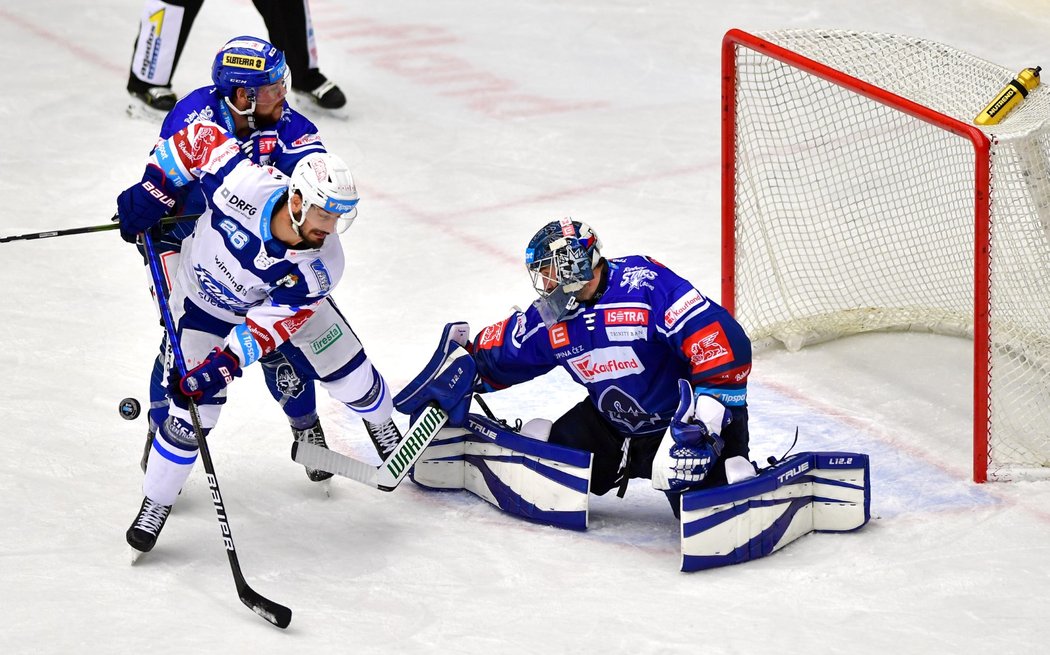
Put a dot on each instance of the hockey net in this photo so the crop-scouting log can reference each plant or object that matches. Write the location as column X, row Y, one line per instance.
column 858, row 195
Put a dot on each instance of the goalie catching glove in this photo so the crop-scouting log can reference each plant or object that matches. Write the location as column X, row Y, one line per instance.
column 447, row 379
column 693, row 442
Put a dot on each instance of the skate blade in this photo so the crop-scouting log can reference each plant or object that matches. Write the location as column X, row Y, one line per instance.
column 135, row 555
column 143, row 112
column 306, row 104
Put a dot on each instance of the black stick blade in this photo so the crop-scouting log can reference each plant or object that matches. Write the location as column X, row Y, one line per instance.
column 275, row 613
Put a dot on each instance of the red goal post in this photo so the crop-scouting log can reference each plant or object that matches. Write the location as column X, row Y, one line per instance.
column 858, row 195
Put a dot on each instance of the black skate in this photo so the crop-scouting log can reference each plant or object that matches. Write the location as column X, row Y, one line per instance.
column 385, row 436
column 312, row 435
column 161, row 98
column 143, row 533
column 322, row 91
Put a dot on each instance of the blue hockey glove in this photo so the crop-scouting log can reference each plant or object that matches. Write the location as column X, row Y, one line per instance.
column 217, row 370
column 448, row 379
column 143, row 204
column 693, row 442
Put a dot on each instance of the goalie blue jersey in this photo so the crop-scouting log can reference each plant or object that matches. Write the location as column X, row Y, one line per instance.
column 646, row 329
column 280, row 145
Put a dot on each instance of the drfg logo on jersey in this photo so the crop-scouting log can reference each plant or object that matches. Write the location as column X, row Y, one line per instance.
column 605, row 364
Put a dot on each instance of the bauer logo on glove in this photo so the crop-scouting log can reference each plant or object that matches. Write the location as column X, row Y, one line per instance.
column 211, row 376
column 693, row 442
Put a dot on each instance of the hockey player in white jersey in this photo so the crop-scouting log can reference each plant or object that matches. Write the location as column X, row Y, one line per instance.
column 262, row 258
column 247, row 97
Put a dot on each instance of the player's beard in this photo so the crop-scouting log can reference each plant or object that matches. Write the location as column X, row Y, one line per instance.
column 312, row 239
column 271, row 117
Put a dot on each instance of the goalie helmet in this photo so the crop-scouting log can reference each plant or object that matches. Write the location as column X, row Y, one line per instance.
column 561, row 259
column 248, row 62
column 324, row 180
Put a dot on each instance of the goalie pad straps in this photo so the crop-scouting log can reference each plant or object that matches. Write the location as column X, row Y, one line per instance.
column 625, row 478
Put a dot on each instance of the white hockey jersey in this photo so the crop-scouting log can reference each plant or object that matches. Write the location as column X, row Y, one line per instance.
column 232, row 267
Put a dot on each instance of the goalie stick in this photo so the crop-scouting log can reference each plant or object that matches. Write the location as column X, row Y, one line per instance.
column 388, row 475
column 275, row 613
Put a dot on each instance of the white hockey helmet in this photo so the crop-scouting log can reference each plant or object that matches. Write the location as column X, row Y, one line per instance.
column 324, row 180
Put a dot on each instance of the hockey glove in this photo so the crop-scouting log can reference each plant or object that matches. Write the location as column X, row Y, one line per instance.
column 693, row 443
column 209, row 378
column 448, row 379
column 143, row 204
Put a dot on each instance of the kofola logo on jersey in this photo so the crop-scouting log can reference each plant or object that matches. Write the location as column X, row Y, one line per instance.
column 605, row 364
column 682, row 306
column 627, row 317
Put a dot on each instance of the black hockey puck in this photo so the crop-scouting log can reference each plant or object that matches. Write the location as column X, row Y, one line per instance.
column 129, row 409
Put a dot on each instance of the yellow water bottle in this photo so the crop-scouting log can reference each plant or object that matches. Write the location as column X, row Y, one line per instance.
column 1011, row 96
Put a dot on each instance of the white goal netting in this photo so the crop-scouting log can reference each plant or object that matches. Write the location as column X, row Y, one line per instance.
column 851, row 214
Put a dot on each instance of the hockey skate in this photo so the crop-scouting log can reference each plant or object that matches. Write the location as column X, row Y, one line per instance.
column 312, row 435
column 151, row 103
column 324, row 93
column 385, row 436
column 143, row 533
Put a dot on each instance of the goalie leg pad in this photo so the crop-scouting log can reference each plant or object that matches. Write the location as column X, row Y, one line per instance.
column 537, row 481
column 823, row 492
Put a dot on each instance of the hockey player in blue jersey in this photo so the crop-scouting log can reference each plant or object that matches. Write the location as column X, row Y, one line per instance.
column 247, row 98
column 651, row 350
column 260, row 264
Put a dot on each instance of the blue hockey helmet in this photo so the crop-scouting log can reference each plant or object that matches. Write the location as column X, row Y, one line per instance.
column 561, row 259
column 248, row 62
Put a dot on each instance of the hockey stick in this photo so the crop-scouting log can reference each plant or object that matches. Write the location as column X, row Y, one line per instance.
column 388, row 475
column 275, row 613
column 92, row 228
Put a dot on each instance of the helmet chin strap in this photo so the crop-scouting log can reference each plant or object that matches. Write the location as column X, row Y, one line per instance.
column 248, row 113
column 297, row 223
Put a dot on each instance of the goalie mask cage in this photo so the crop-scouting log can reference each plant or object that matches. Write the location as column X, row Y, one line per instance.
column 858, row 195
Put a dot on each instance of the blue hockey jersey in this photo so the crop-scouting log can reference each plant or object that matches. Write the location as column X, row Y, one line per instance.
column 647, row 329
column 280, row 145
